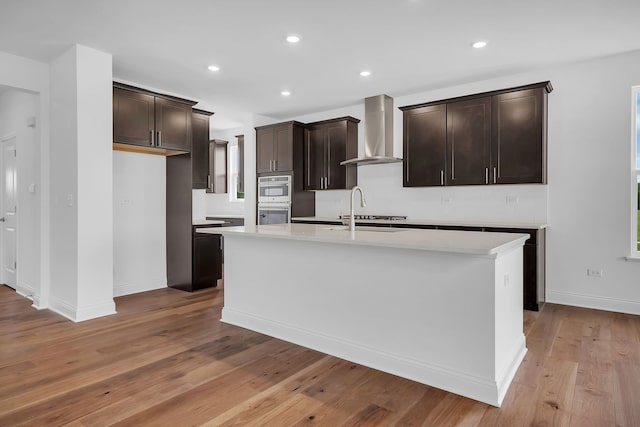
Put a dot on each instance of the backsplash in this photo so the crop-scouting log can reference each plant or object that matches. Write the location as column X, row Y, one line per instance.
column 204, row 204
column 382, row 185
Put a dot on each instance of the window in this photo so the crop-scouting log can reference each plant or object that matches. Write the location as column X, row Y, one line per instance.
column 635, row 175
column 236, row 174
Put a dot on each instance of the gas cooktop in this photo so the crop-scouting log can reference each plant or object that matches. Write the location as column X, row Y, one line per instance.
column 376, row 217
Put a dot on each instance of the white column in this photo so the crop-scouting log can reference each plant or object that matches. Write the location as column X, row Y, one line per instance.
column 81, row 184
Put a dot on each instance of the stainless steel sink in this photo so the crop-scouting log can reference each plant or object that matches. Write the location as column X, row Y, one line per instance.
column 363, row 228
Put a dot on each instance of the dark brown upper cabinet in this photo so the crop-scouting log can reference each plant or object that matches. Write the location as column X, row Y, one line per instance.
column 274, row 147
column 158, row 124
column 327, row 143
column 424, row 146
column 497, row 137
column 200, row 148
column 468, row 141
column 519, row 136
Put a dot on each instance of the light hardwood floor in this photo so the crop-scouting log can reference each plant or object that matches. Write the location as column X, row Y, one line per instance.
column 166, row 360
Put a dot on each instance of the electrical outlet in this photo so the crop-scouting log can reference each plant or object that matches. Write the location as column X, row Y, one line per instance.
column 592, row 272
column 512, row 199
column 445, row 199
column 506, row 280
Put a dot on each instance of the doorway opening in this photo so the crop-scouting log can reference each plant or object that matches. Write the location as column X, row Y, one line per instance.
column 9, row 212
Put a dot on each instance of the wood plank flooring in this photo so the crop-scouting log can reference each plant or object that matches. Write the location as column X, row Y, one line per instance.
column 166, row 360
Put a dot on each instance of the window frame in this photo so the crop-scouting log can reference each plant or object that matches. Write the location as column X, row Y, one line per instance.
column 635, row 171
column 233, row 155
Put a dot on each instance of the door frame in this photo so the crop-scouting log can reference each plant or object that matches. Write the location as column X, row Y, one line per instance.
column 3, row 140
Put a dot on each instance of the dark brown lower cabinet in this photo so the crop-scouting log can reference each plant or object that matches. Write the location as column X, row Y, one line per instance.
column 207, row 260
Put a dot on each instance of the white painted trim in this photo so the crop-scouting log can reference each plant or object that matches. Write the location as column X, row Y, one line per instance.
column 462, row 383
column 128, row 289
column 594, row 301
column 81, row 314
column 634, row 253
column 25, row 290
column 518, row 356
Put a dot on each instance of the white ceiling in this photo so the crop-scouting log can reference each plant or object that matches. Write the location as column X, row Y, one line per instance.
column 409, row 45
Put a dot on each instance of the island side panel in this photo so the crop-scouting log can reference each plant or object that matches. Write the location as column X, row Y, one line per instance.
column 510, row 342
column 423, row 315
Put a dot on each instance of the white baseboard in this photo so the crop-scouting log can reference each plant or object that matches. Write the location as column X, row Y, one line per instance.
column 25, row 291
column 483, row 389
column 79, row 314
column 128, row 289
column 592, row 301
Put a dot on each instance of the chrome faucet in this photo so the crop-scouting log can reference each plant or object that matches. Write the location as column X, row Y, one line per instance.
column 363, row 203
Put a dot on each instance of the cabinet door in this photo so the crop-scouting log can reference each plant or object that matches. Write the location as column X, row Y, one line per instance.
column 133, row 118
column 207, row 261
column 200, row 150
column 284, row 148
column 173, row 125
column 424, row 146
column 336, row 143
column 469, row 141
column 518, row 150
column 265, row 153
column 314, row 158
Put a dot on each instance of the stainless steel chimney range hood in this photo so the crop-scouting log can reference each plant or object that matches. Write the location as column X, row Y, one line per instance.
column 378, row 132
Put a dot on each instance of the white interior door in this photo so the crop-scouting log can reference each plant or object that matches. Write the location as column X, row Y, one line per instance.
column 9, row 211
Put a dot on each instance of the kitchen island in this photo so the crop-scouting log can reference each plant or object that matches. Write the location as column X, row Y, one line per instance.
column 440, row 307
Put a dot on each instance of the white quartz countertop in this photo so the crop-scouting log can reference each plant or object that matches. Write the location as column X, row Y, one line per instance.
column 452, row 241
column 426, row 221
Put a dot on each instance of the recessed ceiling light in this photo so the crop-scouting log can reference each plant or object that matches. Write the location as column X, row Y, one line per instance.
column 365, row 73
column 293, row 39
column 285, row 93
column 479, row 45
column 213, row 68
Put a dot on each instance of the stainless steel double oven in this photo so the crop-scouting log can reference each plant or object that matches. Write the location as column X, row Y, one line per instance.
column 274, row 199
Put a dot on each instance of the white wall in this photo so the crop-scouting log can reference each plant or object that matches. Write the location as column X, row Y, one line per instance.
column 81, row 181
column 95, row 182
column 16, row 107
column 64, row 158
column 26, row 74
column 586, row 202
column 139, row 222
column 589, row 190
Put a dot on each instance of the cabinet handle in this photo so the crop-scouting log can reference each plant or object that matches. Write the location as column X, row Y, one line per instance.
column 486, row 175
column 151, row 138
column 159, row 139
column 495, row 175
column 209, row 182
column 271, row 165
column 275, row 165
column 441, row 177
